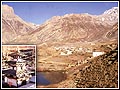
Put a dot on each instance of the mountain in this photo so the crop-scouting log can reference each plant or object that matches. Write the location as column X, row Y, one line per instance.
column 72, row 28
column 113, row 34
column 110, row 16
column 13, row 25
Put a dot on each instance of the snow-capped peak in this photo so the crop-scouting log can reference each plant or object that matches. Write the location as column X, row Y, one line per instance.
column 113, row 10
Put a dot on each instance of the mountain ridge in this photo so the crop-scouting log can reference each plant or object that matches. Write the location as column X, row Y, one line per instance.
column 13, row 25
column 71, row 28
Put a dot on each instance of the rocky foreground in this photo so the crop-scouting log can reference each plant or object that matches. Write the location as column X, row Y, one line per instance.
column 102, row 72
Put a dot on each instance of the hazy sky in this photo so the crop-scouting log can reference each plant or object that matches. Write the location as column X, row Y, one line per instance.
column 39, row 12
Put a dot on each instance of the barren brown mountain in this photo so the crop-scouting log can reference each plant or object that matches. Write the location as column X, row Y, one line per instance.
column 13, row 25
column 74, row 28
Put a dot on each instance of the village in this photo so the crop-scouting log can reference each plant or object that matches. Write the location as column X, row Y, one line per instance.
column 68, row 60
column 65, row 57
column 18, row 66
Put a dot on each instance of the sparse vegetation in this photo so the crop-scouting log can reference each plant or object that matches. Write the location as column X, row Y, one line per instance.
column 101, row 73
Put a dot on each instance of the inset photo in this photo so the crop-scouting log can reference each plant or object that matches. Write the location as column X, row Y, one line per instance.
column 18, row 66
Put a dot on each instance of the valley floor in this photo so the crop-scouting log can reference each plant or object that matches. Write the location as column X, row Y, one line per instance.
column 75, row 64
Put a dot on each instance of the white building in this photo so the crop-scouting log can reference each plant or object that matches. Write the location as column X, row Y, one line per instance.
column 15, row 76
column 95, row 54
column 67, row 52
column 11, row 81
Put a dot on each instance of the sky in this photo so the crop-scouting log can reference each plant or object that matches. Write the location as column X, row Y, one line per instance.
column 39, row 12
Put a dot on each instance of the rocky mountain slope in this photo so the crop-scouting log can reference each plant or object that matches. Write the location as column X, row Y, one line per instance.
column 74, row 28
column 98, row 72
column 13, row 25
column 101, row 73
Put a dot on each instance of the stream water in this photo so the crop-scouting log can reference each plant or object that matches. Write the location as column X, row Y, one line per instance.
column 50, row 77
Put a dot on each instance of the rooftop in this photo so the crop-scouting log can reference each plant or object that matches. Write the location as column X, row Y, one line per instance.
column 9, row 72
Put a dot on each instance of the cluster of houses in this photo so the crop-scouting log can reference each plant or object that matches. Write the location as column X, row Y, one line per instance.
column 18, row 67
column 71, row 50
